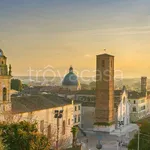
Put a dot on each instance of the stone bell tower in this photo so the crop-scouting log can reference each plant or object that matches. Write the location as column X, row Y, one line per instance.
column 5, row 83
column 104, row 111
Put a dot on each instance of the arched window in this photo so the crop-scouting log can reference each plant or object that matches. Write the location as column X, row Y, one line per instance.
column 4, row 94
column 134, row 109
column 124, row 100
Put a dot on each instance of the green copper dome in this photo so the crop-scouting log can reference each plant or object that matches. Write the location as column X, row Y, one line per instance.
column 70, row 79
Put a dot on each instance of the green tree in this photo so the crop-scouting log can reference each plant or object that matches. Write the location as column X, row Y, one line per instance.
column 23, row 136
column 144, row 137
column 16, row 84
column 74, row 131
column 1, row 145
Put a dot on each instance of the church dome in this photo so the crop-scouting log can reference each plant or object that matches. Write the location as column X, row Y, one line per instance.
column 70, row 79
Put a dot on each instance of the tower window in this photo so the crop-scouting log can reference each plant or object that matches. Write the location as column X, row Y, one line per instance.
column 4, row 94
column 103, row 63
column 111, row 63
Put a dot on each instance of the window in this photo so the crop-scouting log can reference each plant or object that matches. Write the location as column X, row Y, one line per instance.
column 42, row 126
column 78, row 107
column 4, row 94
column 143, row 107
column 75, row 108
column 134, row 109
column 49, row 131
column 103, row 63
column 63, row 128
column 124, row 99
column 79, row 118
column 75, row 119
column 68, row 121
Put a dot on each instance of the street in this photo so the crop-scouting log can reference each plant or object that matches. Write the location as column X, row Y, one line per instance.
column 109, row 142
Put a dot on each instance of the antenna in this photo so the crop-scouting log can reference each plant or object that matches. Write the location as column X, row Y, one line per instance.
column 105, row 50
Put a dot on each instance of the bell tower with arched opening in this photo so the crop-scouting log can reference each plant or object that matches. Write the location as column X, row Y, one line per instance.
column 5, row 84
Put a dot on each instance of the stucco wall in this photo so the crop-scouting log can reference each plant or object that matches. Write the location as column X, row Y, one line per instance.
column 47, row 116
column 88, row 117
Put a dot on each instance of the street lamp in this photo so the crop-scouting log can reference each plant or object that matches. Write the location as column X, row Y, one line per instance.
column 99, row 137
column 120, row 141
column 58, row 115
column 99, row 145
column 139, row 136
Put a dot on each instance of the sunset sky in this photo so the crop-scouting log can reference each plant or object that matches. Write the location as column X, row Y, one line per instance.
column 60, row 33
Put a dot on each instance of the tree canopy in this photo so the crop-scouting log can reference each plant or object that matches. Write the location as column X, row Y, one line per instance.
column 144, row 137
column 23, row 136
column 16, row 84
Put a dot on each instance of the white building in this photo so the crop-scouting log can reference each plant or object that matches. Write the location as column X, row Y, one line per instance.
column 139, row 106
column 139, row 101
column 77, row 114
column 123, row 108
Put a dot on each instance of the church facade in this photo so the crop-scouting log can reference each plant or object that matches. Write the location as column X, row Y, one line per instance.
column 122, row 108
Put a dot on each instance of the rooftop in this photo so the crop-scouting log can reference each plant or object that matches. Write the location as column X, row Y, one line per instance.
column 37, row 102
column 105, row 54
column 134, row 94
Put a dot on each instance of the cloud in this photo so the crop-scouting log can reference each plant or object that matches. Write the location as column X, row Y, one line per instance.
column 87, row 55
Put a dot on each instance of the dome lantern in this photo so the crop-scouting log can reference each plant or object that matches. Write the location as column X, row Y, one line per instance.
column 71, row 69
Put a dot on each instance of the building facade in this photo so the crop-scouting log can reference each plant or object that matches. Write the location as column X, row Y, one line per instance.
column 122, row 109
column 139, row 108
column 77, row 114
column 139, row 102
